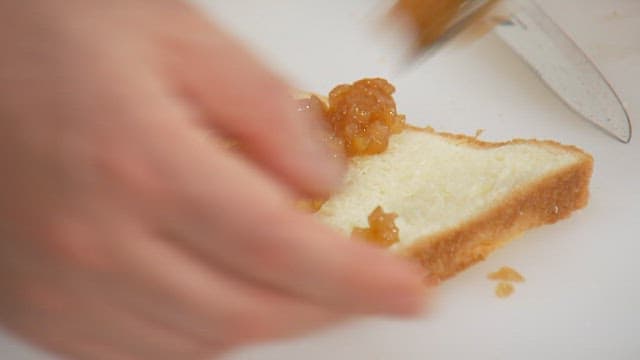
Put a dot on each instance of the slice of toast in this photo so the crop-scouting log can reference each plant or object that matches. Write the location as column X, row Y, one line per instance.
column 457, row 198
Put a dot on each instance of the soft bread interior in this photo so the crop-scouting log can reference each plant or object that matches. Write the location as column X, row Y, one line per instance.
column 437, row 182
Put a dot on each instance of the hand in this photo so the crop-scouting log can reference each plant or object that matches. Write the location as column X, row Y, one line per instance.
column 128, row 230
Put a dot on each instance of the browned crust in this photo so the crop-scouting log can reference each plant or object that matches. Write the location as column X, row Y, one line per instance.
column 546, row 201
column 474, row 141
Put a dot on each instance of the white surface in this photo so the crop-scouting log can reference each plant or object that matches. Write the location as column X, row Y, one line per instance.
column 582, row 293
column 564, row 68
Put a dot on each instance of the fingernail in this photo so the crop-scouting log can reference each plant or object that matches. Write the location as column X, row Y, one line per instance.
column 328, row 165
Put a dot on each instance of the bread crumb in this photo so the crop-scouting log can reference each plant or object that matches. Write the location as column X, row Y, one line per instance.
column 506, row 274
column 504, row 289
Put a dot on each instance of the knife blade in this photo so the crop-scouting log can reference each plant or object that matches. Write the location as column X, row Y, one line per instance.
column 564, row 67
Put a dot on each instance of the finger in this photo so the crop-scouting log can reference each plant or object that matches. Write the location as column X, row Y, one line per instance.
column 83, row 349
column 297, row 254
column 89, row 327
column 153, row 130
column 78, row 292
column 178, row 290
column 211, row 196
column 241, row 98
column 245, row 223
column 142, row 337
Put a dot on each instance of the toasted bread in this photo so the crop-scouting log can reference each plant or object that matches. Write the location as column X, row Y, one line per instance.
column 458, row 198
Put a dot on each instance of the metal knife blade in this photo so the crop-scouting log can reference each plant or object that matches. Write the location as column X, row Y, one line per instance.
column 564, row 67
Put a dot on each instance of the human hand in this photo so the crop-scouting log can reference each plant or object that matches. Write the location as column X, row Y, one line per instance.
column 127, row 229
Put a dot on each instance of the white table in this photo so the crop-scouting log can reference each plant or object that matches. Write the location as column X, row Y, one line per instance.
column 581, row 299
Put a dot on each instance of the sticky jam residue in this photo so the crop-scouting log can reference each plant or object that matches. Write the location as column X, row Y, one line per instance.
column 504, row 289
column 382, row 229
column 506, row 273
column 360, row 117
column 505, row 276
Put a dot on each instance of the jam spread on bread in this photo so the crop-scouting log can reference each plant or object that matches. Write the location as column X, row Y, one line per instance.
column 455, row 199
column 382, row 228
column 363, row 116
column 360, row 117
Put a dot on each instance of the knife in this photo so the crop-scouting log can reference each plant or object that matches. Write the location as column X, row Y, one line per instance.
column 551, row 53
column 564, row 67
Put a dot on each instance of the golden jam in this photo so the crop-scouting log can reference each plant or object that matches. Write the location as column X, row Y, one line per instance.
column 382, row 229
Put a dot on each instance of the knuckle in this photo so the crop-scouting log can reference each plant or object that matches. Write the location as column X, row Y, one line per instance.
column 126, row 167
column 73, row 243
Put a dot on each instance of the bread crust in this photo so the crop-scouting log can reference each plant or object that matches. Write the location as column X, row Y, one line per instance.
column 546, row 201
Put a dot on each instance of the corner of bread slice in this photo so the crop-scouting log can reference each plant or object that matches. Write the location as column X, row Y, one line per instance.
column 458, row 198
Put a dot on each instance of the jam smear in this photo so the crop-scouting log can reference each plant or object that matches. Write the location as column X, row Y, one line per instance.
column 506, row 273
column 504, row 289
column 382, row 229
column 360, row 118
column 363, row 116
column 505, row 276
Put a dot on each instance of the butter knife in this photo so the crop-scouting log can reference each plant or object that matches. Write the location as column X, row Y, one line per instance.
column 564, row 67
column 551, row 53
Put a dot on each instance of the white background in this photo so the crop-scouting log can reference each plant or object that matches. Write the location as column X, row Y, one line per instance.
column 581, row 299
